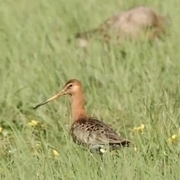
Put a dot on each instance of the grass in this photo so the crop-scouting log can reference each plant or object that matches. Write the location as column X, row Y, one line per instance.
column 143, row 87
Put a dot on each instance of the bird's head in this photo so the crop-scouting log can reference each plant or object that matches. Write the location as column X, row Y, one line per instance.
column 72, row 87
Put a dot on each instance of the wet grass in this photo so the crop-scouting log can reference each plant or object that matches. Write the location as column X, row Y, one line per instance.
column 124, row 91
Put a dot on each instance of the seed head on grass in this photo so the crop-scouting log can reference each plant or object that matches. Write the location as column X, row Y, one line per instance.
column 38, row 145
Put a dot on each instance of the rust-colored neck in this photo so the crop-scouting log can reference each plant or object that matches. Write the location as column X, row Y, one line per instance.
column 78, row 106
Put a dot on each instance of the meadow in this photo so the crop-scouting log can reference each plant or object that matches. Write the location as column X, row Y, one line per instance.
column 38, row 54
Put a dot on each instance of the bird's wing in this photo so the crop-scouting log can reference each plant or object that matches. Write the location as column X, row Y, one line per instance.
column 95, row 132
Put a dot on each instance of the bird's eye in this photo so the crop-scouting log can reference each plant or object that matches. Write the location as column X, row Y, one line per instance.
column 70, row 86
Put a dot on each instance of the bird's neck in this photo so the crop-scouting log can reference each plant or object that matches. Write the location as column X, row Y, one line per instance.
column 78, row 106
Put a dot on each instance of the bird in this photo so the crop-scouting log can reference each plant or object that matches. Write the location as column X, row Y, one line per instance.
column 130, row 24
column 88, row 131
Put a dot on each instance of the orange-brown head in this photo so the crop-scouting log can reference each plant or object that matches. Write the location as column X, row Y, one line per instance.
column 72, row 87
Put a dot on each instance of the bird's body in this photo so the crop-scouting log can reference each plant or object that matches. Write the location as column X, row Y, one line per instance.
column 85, row 130
column 131, row 24
column 96, row 135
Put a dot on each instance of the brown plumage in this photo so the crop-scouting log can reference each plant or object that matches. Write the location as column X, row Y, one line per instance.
column 85, row 130
column 134, row 23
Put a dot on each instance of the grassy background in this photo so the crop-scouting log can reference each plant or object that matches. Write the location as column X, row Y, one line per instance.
column 143, row 87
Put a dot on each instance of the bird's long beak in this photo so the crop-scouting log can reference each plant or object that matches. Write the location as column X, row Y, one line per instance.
column 61, row 93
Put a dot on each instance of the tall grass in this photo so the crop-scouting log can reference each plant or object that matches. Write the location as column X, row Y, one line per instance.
column 142, row 87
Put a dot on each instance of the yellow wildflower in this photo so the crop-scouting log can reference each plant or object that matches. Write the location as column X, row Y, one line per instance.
column 139, row 129
column 55, row 153
column 33, row 123
column 1, row 129
column 173, row 139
